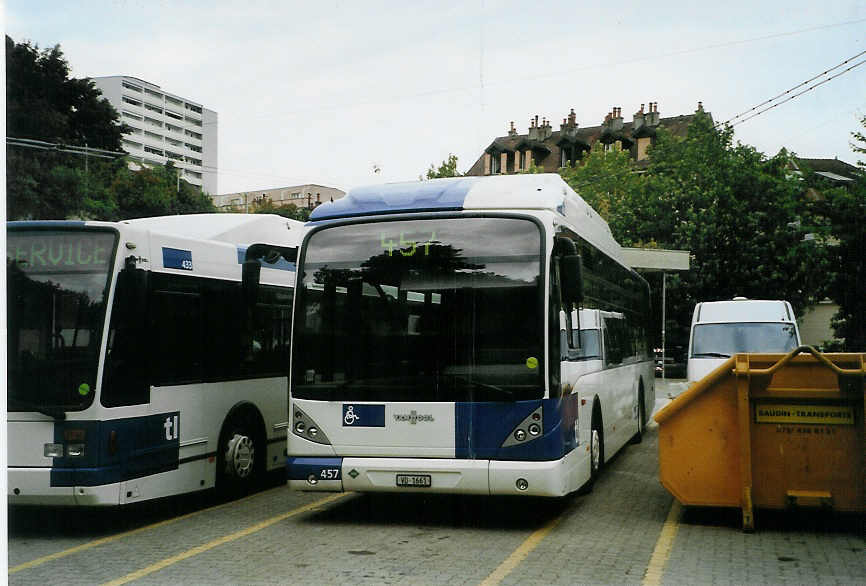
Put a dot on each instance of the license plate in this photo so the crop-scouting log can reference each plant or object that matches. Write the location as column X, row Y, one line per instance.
column 414, row 480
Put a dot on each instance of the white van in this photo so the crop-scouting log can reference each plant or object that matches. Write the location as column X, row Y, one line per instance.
column 721, row 329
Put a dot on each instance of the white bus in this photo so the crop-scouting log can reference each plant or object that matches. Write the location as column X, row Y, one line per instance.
column 437, row 348
column 147, row 358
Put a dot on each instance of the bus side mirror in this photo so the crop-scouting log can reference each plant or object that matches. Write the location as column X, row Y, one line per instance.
column 250, row 272
column 571, row 278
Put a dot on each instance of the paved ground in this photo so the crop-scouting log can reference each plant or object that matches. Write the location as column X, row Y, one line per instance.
column 615, row 535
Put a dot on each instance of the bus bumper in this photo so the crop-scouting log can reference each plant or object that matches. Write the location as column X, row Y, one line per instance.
column 32, row 486
column 440, row 475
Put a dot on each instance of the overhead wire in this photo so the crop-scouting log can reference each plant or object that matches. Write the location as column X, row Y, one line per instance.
column 731, row 121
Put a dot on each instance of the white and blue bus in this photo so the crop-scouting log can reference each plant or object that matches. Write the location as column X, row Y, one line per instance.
column 147, row 358
column 438, row 348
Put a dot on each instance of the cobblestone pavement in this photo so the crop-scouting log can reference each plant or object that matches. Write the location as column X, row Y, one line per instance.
column 608, row 536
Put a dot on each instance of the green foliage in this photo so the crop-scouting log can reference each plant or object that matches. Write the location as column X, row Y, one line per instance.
column 859, row 137
column 44, row 104
column 844, row 210
column 448, row 168
column 605, row 181
column 290, row 210
column 155, row 192
column 533, row 168
column 729, row 205
column 732, row 208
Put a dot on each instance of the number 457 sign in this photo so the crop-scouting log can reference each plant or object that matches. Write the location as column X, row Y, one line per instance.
column 406, row 247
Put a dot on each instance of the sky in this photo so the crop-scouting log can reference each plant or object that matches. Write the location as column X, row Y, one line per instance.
column 343, row 93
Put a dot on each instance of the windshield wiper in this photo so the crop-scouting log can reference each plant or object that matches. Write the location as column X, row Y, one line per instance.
column 710, row 355
column 54, row 412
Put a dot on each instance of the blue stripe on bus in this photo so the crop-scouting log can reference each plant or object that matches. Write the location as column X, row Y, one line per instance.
column 303, row 468
column 280, row 265
column 482, row 428
column 142, row 446
column 436, row 195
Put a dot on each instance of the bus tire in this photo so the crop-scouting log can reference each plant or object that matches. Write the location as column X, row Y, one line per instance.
column 641, row 417
column 596, row 445
column 240, row 455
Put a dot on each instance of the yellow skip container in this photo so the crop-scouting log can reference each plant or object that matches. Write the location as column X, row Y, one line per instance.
column 769, row 431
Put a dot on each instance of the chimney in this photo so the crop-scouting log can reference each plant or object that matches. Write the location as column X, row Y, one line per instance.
column 616, row 120
column 512, row 131
column 637, row 120
column 545, row 130
column 569, row 125
column 652, row 118
column 534, row 130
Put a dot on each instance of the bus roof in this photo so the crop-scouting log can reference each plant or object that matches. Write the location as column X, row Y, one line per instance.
column 233, row 228
column 530, row 191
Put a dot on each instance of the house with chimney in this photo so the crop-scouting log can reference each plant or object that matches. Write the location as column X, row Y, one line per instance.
column 551, row 150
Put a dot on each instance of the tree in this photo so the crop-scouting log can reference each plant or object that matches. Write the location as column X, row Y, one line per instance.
column 448, row 168
column 154, row 192
column 845, row 209
column 838, row 217
column 291, row 211
column 859, row 137
column 732, row 208
column 605, row 180
column 44, row 104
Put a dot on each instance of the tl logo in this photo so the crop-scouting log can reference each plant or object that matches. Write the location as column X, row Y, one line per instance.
column 172, row 427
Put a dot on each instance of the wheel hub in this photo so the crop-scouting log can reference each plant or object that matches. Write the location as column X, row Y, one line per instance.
column 240, row 456
column 595, row 450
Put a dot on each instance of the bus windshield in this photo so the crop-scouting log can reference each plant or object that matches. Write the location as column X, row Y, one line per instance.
column 421, row 310
column 723, row 340
column 57, row 281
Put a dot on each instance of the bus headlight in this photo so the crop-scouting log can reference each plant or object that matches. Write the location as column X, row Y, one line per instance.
column 305, row 427
column 530, row 429
column 53, row 450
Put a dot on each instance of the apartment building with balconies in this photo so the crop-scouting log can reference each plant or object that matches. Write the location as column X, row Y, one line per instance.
column 165, row 127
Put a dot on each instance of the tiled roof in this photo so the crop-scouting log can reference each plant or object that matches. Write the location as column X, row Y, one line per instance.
column 582, row 136
column 834, row 166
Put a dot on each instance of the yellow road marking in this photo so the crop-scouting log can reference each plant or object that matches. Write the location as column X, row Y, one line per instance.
column 519, row 554
column 221, row 541
column 104, row 540
column 656, row 568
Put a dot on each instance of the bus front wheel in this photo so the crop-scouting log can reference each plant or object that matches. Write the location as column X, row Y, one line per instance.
column 596, row 450
column 240, row 457
column 641, row 418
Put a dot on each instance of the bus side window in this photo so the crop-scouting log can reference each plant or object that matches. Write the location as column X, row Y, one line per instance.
column 176, row 320
column 223, row 322
column 613, row 341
